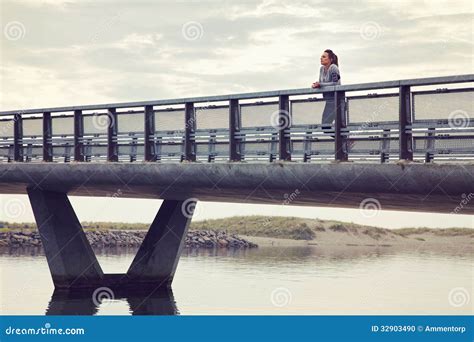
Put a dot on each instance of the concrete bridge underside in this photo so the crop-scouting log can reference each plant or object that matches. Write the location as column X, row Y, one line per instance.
column 73, row 264
column 411, row 186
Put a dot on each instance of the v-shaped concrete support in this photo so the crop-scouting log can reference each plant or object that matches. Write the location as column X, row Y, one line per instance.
column 158, row 256
column 72, row 261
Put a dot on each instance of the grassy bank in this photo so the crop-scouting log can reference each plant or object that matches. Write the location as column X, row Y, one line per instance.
column 276, row 227
column 307, row 229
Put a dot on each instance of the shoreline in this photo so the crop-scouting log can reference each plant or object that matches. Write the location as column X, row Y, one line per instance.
column 133, row 239
column 219, row 239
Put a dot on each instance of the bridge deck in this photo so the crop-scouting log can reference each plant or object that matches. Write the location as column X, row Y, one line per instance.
column 226, row 147
column 409, row 186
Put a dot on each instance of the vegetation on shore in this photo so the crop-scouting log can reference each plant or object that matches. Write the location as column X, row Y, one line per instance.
column 276, row 227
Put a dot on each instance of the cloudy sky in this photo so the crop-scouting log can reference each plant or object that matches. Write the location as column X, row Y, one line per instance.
column 56, row 52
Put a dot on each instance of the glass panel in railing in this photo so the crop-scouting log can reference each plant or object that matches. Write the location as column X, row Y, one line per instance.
column 212, row 118
column 367, row 110
column 6, row 128
column 455, row 105
column 259, row 115
column 131, row 123
column 169, row 120
column 33, row 127
column 63, row 125
column 97, row 123
column 307, row 112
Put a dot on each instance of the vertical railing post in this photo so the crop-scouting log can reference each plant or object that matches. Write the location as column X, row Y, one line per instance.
column 190, row 127
column 340, row 123
column 47, row 137
column 234, row 127
column 405, row 136
column 150, row 154
column 18, row 138
column 385, row 152
column 430, row 144
column 112, row 146
column 78, row 136
column 284, row 123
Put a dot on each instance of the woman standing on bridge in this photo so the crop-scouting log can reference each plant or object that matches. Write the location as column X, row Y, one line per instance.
column 328, row 76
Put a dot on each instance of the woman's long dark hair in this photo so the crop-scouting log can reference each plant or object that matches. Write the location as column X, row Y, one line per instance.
column 332, row 56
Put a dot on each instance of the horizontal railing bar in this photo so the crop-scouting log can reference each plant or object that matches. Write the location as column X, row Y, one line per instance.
column 447, row 91
column 254, row 95
column 365, row 97
column 437, row 80
column 310, row 100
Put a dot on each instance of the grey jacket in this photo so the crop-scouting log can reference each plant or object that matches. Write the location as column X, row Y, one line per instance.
column 331, row 77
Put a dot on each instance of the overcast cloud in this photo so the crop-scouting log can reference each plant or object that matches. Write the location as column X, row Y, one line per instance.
column 80, row 52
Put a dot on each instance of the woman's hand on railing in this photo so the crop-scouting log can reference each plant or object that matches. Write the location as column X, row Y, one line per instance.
column 315, row 85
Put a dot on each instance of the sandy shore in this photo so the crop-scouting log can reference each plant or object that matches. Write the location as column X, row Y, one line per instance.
column 332, row 239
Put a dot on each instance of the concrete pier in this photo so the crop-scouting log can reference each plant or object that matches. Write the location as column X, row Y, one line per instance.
column 157, row 258
column 72, row 261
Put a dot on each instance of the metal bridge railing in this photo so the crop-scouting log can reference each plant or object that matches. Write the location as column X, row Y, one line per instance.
column 374, row 122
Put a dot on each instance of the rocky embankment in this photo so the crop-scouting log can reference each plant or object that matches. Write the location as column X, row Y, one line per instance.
column 118, row 238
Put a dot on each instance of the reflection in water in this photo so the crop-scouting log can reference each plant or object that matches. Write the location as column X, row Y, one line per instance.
column 289, row 253
column 85, row 302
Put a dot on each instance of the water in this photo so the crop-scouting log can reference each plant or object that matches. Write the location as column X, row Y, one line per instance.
column 302, row 280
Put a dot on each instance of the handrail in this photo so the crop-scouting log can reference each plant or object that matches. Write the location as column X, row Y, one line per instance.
column 254, row 95
column 280, row 146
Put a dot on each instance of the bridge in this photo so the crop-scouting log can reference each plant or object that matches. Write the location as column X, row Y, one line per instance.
column 397, row 145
